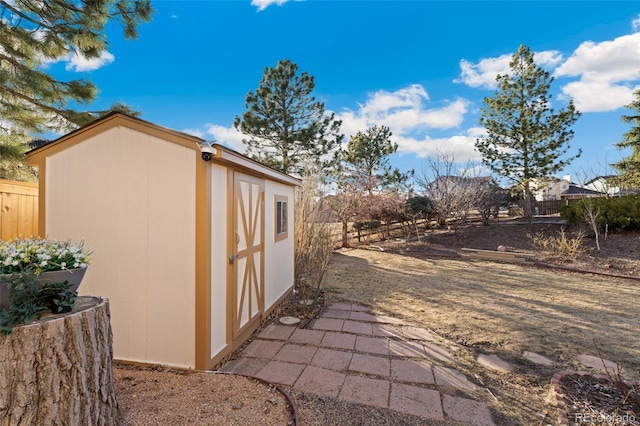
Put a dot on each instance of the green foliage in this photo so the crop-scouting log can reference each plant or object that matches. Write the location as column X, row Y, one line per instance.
column 418, row 206
column 365, row 161
column 526, row 138
column 13, row 161
column 288, row 128
column 629, row 167
column 619, row 214
column 29, row 299
column 36, row 32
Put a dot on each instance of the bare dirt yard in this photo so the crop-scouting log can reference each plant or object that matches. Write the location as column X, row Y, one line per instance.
column 477, row 307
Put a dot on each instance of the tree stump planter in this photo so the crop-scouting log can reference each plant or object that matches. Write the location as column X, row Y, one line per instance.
column 57, row 370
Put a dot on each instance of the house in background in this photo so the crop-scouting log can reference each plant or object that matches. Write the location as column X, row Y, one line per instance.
column 563, row 189
column 604, row 184
column 192, row 254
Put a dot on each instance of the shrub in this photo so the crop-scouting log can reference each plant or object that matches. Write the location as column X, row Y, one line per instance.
column 617, row 214
column 313, row 239
column 559, row 246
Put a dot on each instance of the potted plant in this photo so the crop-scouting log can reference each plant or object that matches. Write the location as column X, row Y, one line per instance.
column 38, row 273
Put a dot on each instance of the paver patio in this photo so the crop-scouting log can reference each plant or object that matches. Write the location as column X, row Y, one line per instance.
column 355, row 356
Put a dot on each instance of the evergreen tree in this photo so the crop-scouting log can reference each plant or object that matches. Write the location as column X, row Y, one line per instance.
column 13, row 161
column 286, row 125
column 34, row 32
column 526, row 137
column 366, row 161
column 629, row 167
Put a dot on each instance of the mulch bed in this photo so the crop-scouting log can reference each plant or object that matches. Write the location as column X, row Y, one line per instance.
column 583, row 398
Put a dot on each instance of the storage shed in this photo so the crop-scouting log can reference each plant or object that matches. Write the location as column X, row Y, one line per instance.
column 192, row 254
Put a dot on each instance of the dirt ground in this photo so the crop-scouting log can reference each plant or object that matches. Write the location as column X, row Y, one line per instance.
column 504, row 309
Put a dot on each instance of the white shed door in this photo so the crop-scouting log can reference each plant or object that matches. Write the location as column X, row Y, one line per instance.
column 248, row 269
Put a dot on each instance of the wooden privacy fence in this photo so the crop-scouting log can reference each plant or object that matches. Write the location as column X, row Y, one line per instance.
column 18, row 209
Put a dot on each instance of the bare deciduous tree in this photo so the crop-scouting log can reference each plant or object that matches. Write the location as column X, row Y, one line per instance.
column 453, row 187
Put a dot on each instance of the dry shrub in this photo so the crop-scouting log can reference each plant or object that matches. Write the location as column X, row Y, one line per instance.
column 313, row 241
column 560, row 246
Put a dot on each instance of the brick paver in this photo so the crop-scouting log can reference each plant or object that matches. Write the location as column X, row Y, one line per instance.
column 417, row 401
column 341, row 306
column 320, row 381
column 438, row 353
column 406, row 349
column 386, row 330
column 359, row 308
column 244, row 366
column 338, row 340
column 383, row 319
column 307, row 337
column 357, row 357
column 276, row 332
column 332, row 359
column 357, row 327
column 450, row 377
column 363, row 390
column 597, row 362
column 372, row 345
column 405, row 370
column 297, row 354
column 467, row 410
column 417, row 333
column 494, row 362
column 336, row 313
column 369, row 364
column 362, row 316
column 283, row 373
column 330, row 324
column 262, row 349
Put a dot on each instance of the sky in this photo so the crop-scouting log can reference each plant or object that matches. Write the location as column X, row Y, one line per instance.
column 421, row 68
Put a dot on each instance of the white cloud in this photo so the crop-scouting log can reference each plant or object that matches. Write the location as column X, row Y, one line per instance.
column 227, row 136
column 263, row 4
column 607, row 72
column 405, row 113
column 460, row 145
column 401, row 111
column 483, row 74
column 635, row 24
column 78, row 63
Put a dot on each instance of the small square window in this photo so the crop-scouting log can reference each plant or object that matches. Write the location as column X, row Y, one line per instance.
column 282, row 224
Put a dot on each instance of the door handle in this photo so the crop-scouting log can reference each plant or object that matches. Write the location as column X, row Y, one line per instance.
column 233, row 257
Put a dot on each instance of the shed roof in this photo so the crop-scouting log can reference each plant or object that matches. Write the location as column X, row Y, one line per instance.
column 222, row 155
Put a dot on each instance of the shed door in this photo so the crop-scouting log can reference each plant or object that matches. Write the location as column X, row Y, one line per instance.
column 247, row 260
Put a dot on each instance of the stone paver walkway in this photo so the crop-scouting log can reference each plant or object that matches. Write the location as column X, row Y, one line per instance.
column 355, row 356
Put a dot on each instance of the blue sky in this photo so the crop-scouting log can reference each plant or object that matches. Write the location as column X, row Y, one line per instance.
column 421, row 68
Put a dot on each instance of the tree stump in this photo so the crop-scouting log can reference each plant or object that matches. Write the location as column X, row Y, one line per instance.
column 57, row 371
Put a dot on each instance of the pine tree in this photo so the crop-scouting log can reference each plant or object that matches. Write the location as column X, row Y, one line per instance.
column 366, row 160
column 286, row 125
column 526, row 138
column 33, row 32
column 629, row 167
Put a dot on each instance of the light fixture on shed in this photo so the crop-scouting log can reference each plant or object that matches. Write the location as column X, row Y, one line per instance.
column 207, row 150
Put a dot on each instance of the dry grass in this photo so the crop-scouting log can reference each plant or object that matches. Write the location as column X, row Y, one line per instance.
column 559, row 246
column 503, row 309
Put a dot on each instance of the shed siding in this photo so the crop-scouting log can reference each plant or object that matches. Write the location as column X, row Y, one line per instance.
column 218, row 258
column 131, row 197
column 278, row 256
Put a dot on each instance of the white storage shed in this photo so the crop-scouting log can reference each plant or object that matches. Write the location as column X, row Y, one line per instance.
column 191, row 254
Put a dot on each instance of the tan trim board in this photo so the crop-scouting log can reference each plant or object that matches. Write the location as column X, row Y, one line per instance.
column 203, row 265
column 238, row 160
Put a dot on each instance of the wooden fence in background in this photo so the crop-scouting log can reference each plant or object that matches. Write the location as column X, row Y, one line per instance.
column 18, row 209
